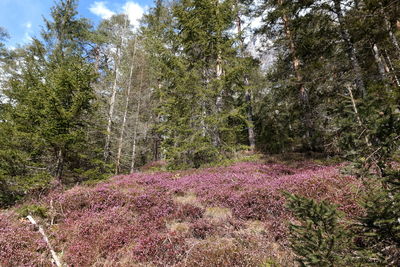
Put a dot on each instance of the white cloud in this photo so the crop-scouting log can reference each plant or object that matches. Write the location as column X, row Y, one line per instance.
column 100, row 9
column 27, row 37
column 28, row 32
column 134, row 12
column 130, row 8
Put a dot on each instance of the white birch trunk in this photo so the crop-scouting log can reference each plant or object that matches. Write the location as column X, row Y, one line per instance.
column 218, row 71
column 123, row 125
column 135, row 130
column 111, row 109
column 114, row 94
column 379, row 61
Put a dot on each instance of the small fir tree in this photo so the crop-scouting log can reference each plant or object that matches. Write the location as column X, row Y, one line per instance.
column 318, row 239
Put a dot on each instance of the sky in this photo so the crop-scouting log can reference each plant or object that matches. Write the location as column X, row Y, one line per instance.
column 23, row 19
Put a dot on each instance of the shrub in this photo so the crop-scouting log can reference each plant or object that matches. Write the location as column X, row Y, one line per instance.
column 318, row 239
column 14, row 188
column 33, row 209
column 380, row 226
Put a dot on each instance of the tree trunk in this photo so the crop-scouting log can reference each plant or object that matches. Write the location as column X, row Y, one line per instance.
column 295, row 59
column 219, row 101
column 135, row 130
column 156, row 145
column 218, row 71
column 114, row 91
column 133, row 157
column 379, row 62
column 250, row 127
column 158, row 137
column 350, row 50
column 203, row 107
column 299, row 77
column 133, row 152
column 128, row 94
column 393, row 38
column 392, row 69
column 60, row 164
column 249, row 110
column 383, row 67
column 111, row 109
column 353, row 102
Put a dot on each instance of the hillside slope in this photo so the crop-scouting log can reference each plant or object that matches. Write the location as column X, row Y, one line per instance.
column 222, row 216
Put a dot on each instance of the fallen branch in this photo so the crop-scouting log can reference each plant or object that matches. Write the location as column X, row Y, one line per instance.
column 57, row 261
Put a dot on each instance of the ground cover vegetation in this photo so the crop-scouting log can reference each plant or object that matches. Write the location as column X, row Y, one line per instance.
column 182, row 111
column 220, row 216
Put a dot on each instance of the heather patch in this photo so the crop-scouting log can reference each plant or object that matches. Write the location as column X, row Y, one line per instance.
column 20, row 244
column 188, row 212
column 97, row 234
column 160, row 249
column 225, row 216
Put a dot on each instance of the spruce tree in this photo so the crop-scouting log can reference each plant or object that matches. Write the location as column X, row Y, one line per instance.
column 318, row 239
column 201, row 86
column 52, row 92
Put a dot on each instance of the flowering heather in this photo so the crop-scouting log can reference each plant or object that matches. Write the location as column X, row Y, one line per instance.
column 223, row 216
column 20, row 245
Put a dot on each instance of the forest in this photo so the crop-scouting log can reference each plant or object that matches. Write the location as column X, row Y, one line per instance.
column 215, row 133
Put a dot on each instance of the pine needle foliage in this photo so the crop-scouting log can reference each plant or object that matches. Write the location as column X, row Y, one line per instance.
column 318, row 239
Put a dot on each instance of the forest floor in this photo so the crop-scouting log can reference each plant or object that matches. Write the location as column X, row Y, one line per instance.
column 220, row 216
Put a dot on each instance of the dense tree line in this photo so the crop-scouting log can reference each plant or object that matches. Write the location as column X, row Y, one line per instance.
column 81, row 101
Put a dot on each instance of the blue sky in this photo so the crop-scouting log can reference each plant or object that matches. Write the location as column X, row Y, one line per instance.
column 24, row 18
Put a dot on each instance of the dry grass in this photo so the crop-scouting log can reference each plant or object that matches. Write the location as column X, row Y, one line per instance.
column 255, row 227
column 189, row 198
column 218, row 213
column 179, row 227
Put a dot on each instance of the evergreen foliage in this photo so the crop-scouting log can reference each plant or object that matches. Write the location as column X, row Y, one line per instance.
column 49, row 105
column 381, row 226
column 201, row 83
column 318, row 239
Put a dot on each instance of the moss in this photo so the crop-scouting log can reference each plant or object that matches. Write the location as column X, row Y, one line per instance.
column 269, row 263
column 34, row 210
column 240, row 156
